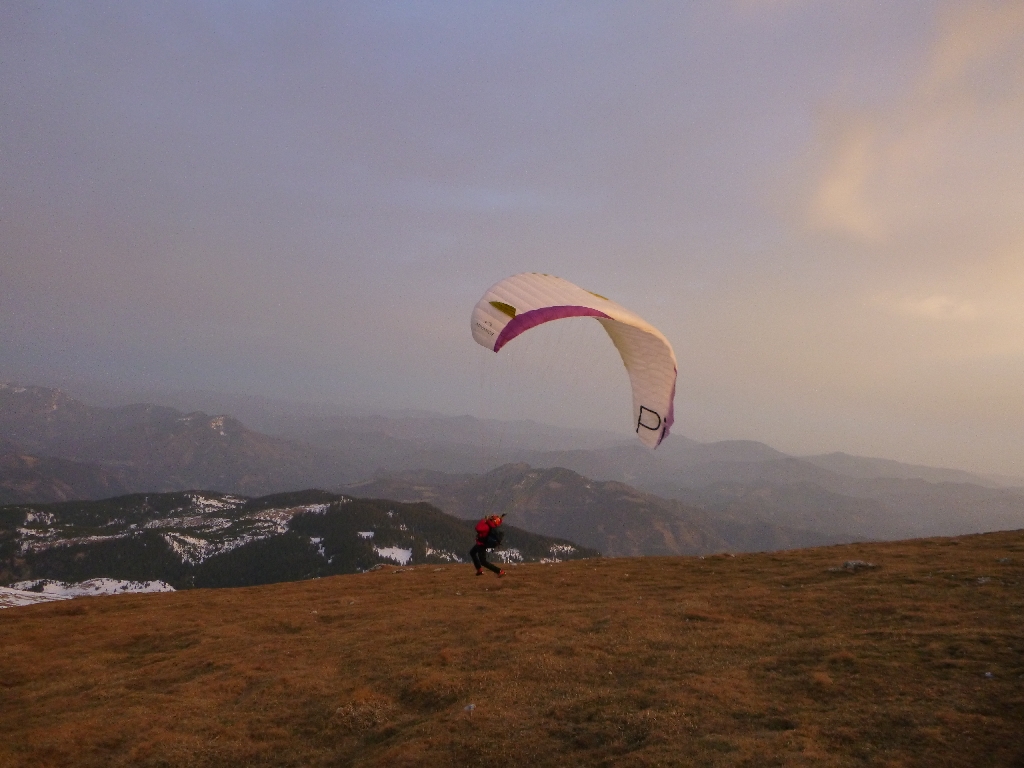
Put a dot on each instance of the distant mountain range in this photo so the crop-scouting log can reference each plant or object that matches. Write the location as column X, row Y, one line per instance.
column 204, row 539
column 838, row 495
column 143, row 448
column 612, row 517
column 24, row 477
column 685, row 497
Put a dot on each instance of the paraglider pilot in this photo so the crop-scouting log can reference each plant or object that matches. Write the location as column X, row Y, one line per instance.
column 487, row 537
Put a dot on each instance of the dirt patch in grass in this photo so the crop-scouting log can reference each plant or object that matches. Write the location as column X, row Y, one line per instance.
column 753, row 660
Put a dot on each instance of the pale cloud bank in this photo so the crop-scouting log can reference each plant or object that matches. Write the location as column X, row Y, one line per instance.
column 943, row 163
column 938, row 308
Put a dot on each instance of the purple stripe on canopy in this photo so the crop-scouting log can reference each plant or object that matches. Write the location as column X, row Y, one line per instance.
column 671, row 412
column 534, row 317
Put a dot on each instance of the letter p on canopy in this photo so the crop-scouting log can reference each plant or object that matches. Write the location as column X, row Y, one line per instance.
column 645, row 419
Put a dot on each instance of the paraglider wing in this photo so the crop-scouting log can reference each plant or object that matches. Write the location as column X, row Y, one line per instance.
column 521, row 302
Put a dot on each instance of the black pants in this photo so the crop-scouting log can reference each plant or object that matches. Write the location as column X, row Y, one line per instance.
column 479, row 555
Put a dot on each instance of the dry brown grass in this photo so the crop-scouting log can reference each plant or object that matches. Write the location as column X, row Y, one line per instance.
column 755, row 660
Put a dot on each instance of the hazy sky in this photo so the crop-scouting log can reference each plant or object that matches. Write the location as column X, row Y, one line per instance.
column 820, row 203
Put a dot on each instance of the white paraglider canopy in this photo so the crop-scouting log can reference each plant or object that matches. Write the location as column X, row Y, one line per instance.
column 521, row 302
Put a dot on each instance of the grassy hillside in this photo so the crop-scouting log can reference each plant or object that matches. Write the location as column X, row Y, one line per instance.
column 779, row 659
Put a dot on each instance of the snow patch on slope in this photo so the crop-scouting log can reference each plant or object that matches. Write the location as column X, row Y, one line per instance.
column 206, row 504
column 39, row 516
column 194, row 522
column 510, row 555
column 443, row 554
column 558, row 552
column 46, row 590
column 400, row 556
column 15, row 598
column 45, row 540
column 190, row 549
column 193, row 551
column 263, row 524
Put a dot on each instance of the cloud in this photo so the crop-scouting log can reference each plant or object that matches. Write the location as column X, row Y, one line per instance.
column 938, row 170
column 974, row 37
column 841, row 202
column 970, row 314
column 938, row 307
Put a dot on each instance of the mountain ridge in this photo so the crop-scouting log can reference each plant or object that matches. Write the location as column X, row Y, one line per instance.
column 208, row 539
column 743, row 484
column 616, row 518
